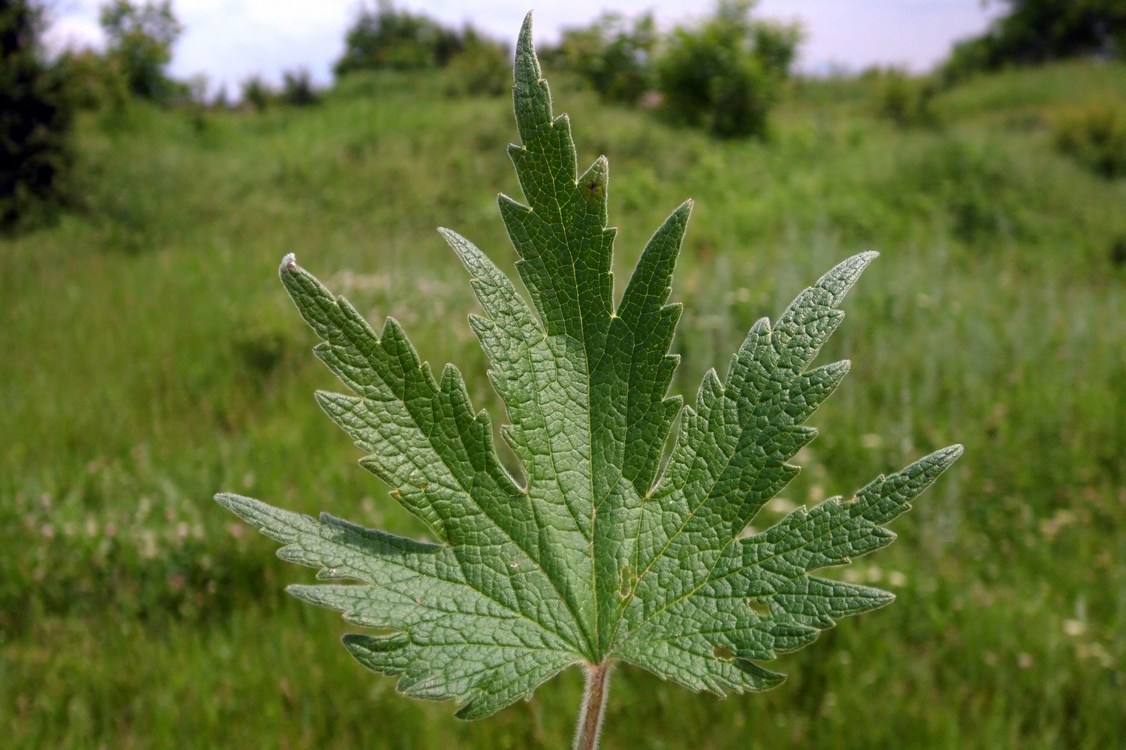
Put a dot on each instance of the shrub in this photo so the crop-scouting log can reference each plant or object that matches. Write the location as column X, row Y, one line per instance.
column 905, row 101
column 35, row 120
column 1095, row 135
column 614, row 56
column 1118, row 252
column 387, row 38
column 726, row 74
column 298, row 90
column 966, row 58
column 93, row 81
column 257, row 93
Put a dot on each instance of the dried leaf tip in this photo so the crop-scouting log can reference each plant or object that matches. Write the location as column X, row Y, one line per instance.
column 288, row 263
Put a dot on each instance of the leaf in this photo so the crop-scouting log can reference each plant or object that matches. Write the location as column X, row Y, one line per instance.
column 594, row 554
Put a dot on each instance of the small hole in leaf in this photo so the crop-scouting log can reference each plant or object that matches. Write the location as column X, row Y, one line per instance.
column 723, row 652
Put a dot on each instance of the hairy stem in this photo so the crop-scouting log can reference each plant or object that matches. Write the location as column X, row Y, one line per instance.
column 594, row 705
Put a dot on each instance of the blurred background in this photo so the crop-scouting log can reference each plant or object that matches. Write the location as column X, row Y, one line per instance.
column 160, row 157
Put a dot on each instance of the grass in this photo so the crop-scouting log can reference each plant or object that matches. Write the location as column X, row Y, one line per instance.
column 150, row 359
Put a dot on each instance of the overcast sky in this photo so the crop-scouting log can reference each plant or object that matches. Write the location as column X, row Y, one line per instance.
column 230, row 40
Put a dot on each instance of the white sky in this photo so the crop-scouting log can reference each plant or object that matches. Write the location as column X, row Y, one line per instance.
column 230, row 40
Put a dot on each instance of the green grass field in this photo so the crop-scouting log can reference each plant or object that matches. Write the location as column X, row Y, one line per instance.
column 150, row 358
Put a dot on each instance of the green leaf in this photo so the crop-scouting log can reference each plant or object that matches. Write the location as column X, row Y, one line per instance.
column 594, row 554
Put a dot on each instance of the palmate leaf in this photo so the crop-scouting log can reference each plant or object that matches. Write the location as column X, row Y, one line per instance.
column 595, row 554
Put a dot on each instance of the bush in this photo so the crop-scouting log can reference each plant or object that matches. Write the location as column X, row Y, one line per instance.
column 973, row 187
column 718, row 77
column 298, row 90
column 35, row 120
column 257, row 93
column 905, row 101
column 1096, row 136
column 93, row 81
column 615, row 57
column 967, row 58
column 383, row 38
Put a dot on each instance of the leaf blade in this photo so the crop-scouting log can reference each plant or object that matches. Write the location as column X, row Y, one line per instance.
column 472, row 504
column 449, row 640
column 594, row 553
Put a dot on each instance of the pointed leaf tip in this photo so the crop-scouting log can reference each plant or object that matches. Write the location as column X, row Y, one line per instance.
column 527, row 66
column 288, row 263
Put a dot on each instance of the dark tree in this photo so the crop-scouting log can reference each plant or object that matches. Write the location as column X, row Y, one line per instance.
column 35, row 118
column 1039, row 31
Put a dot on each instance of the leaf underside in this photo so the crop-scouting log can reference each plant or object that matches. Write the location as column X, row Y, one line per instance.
column 595, row 552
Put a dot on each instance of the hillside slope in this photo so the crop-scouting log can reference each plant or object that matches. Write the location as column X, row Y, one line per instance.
column 150, row 359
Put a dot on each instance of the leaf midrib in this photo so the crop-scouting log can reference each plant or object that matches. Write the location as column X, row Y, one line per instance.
column 556, row 206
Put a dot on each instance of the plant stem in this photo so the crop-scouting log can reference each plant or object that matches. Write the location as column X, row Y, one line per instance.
column 594, row 705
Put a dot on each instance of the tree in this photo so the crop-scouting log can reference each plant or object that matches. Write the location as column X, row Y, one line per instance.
column 140, row 40
column 1039, row 31
column 35, row 117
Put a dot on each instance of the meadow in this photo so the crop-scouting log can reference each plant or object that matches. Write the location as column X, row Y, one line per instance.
column 150, row 358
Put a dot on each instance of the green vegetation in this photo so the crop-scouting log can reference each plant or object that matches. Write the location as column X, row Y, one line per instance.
column 383, row 38
column 1039, row 31
column 257, row 93
column 587, row 552
column 149, row 358
column 614, row 55
column 140, row 38
column 723, row 75
column 726, row 75
column 298, row 90
column 902, row 99
column 35, row 120
column 1095, row 135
